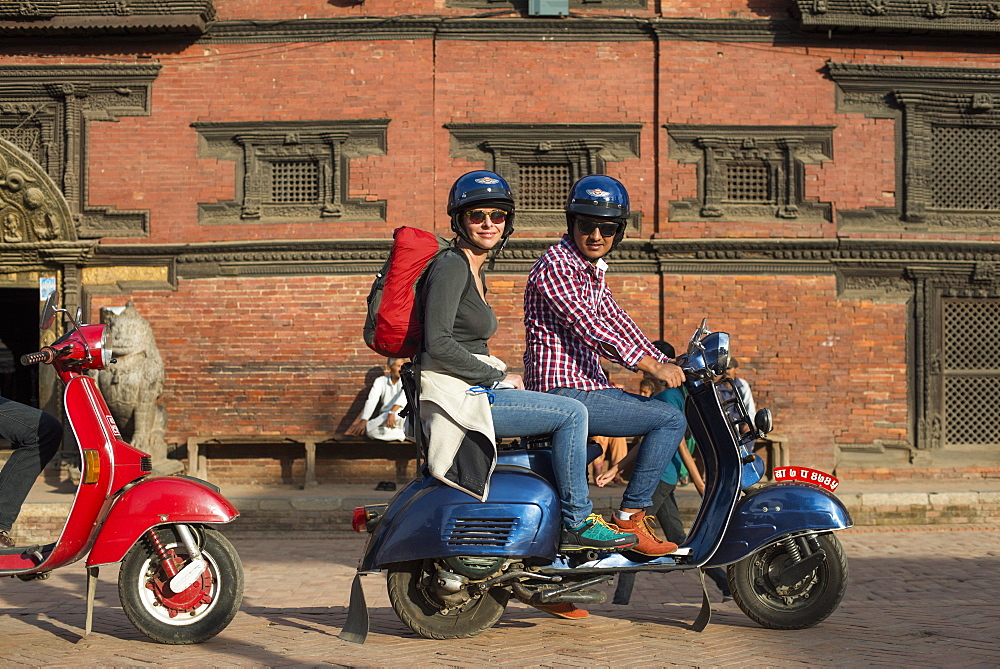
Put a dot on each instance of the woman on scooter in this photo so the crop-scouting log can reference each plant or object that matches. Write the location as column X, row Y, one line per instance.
column 467, row 396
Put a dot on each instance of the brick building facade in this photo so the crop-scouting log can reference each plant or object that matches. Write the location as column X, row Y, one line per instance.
column 818, row 179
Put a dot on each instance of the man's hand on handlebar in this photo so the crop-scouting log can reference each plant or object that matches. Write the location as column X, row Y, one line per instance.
column 672, row 375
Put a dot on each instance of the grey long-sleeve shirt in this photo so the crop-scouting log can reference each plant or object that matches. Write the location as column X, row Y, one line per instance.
column 457, row 322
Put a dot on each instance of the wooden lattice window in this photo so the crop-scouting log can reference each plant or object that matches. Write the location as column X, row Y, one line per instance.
column 295, row 182
column 965, row 163
column 749, row 182
column 971, row 369
column 542, row 186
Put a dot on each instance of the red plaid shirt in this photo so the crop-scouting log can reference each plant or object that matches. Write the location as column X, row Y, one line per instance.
column 571, row 322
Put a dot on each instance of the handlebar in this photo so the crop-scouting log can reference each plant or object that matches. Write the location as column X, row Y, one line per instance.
column 46, row 355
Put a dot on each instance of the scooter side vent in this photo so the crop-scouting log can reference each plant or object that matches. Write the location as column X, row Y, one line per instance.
column 146, row 464
column 479, row 531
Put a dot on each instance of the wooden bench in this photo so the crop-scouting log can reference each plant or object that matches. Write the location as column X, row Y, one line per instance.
column 198, row 460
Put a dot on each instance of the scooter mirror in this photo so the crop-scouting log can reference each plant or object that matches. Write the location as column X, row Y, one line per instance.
column 49, row 311
column 763, row 421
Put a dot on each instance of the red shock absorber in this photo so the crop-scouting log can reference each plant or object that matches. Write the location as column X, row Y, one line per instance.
column 166, row 559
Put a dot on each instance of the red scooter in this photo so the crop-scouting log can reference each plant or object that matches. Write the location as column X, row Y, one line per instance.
column 180, row 580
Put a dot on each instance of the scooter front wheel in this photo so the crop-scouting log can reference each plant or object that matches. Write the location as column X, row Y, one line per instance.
column 202, row 609
column 421, row 605
column 767, row 588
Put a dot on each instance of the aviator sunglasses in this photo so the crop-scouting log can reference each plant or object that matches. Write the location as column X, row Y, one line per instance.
column 587, row 226
column 496, row 216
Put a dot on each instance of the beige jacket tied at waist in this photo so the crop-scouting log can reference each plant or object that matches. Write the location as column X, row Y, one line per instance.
column 461, row 443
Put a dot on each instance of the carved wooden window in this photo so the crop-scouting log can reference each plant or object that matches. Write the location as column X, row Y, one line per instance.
column 45, row 111
column 750, row 172
column 956, row 366
column 948, row 162
column 971, row 371
column 292, row 172
column 541, row 161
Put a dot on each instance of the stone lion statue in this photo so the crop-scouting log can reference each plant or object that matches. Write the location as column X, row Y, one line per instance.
column 132, row 387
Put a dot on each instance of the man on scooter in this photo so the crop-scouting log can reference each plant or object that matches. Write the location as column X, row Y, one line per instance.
column 572, row 322
column 35, row 436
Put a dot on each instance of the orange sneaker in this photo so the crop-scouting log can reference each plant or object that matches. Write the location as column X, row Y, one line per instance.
column 649, row 543
column 567, row 610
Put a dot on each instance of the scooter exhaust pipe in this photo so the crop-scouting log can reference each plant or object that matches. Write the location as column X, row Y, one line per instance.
column 574, row 593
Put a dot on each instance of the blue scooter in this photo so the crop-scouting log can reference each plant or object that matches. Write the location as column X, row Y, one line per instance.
column 453, row 562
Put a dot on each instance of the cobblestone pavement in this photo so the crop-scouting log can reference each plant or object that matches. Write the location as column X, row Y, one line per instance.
column 918, row 597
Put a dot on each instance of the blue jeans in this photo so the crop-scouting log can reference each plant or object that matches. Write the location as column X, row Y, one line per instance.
column 526, row 413
column 616, row 413
column 36, row 436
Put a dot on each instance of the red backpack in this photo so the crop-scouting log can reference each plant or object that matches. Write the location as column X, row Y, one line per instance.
column 394, row 327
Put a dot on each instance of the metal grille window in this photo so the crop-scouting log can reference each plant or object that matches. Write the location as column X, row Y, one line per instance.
column 295, row 182
column 542, row 186
column 748, row 182
column 965, row 166
column 971, row 340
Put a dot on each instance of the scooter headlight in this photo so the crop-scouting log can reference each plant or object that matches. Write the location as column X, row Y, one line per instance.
column 105, row 350
column 717, row 352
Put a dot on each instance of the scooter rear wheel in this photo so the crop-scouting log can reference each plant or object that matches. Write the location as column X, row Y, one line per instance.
column 421, row 611
column 198, row 613
column 758, row 591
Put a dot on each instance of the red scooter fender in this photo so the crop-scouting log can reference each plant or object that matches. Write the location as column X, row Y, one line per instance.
column 159, row 500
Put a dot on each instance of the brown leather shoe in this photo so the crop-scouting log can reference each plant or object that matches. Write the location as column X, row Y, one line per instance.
column 567, row 610
column 649, row 543
column 5, row 540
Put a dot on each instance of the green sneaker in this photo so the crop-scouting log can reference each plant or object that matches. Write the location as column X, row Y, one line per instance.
column 594, row 534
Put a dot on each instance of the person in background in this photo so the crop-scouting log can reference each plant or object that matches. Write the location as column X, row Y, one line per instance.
column 35, row 436
column 613, row 449
column 742, row 387
column 387, row 394
column 682, row 466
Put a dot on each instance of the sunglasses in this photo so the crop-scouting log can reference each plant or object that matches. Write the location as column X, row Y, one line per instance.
column 496, row 216
column 587, row 226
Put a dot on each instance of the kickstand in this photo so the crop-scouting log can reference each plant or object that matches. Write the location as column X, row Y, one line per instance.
column 356, row 628
column 705, row 615
column 92, row 573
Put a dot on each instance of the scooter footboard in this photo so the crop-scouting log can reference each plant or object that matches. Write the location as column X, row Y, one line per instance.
column 156, row 501
column 520, row 519
column 774, row 511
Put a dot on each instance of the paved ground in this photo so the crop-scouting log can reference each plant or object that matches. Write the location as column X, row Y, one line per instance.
column 916, row 598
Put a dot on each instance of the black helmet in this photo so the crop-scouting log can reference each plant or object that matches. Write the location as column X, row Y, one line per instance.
column 481, row 188
column 598, row 196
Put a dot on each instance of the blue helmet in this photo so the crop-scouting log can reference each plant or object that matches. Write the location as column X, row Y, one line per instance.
column 481, row 188
column 599, row 196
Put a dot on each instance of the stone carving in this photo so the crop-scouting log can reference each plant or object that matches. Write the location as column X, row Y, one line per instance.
column 132, row 387
column 31, row 208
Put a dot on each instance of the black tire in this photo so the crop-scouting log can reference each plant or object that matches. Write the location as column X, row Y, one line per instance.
column 801, row 605
column 419, row 610
column 202, row 610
